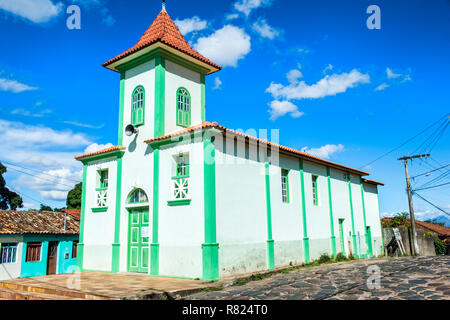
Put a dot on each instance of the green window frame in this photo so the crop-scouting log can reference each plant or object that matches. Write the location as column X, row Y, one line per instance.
column 138, row 196
column 183, row 107
column 315, row 190
column 103, row 179
column 285, row 185
column 138, row 106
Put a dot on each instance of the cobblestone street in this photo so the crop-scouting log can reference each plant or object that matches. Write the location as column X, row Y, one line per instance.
column 422, row 278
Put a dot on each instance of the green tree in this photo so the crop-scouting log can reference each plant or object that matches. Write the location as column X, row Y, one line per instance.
column 8, row 199
column 74, row 197
column 45, row 208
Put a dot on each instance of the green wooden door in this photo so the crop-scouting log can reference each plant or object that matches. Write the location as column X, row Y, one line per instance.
column 369, row 242
column 138, row 240
column 341, row 233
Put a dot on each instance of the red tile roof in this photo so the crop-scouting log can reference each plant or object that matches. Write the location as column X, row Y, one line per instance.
column 164, row 30
column 301, row 154
column 439, row 230
column 37, row 222
column 100, row 152
column 76, row 213
column 373, row 182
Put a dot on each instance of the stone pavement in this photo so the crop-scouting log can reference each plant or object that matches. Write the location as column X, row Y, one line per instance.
column 409, row 278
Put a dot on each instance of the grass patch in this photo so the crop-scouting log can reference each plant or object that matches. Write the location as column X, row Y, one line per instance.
column 210, row 289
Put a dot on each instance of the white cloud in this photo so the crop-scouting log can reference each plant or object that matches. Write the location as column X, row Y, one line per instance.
column 107, row 18
column 381, row 87
column 231, row 16
column 281, row 108
column 294, row 75
column 32, row 113
column 330, row 85
column 191, row 24
column 14, row 86
column 264, row 30
column 37, row 11
column 407, row 78
column 217, row 83
column 328, row 68
column 303, row 51
column 84, row 125
column 324, row 151
column 94, row 147
column 225, row 46
column 247, row 6
column 391, row 74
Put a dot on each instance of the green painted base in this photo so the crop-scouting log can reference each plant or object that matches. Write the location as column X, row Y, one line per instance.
column 355, row 247
column 80, row 254
column 270, row 254
column 306, row 250
column 154, row 259
column 210, row 261
column 333, row 246
column 115, row 263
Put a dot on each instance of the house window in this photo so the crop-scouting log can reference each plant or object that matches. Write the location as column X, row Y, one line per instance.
column 285, row 185
column 33, row 251
column 8, row 253
column 182, row 167
column 183, row 108
column 102, row 189
column 137, row 106
column 138, row 196
column 74, row 249
column 315, row 191
column 180, row 182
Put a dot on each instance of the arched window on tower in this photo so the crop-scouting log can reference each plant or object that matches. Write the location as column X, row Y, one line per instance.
column 183, row 108
column 137, row 106
column 137, row 196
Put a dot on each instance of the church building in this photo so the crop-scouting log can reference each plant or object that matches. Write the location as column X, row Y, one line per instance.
column 183, row 197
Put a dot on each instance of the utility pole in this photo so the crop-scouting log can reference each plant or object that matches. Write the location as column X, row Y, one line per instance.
column 415, row 248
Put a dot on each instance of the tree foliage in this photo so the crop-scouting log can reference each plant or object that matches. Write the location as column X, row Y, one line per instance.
column 400, row 220
column 45, row 208
column 74, row 197
column 8, row 199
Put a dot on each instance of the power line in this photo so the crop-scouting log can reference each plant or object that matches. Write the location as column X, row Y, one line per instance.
column 24, row 195
column 431, row 203
column 38, row 177
column 407, row 141
column 440, row 185
column 425, row 173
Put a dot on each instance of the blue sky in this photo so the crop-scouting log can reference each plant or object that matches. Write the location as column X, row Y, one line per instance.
column 309, row 68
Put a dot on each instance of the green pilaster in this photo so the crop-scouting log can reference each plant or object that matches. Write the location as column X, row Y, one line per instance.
column 270, row 241
column 366, row 235
column 160, row 84
column 330, row 202
column 305, row 229
column 154, row 246
column 210, row 249
column 80, row 247
column 115, row 263
column 203, row 96
column 121, row 107
column 349, row 182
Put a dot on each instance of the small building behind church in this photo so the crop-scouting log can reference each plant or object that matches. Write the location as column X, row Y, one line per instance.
column 180, row 196
column 36, row 243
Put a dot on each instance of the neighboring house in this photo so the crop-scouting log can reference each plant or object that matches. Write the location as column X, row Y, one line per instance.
column 183, row 197
column 75, row 213
column 36, row 243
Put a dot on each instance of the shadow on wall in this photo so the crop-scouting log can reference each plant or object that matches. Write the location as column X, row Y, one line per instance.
column 425, row 241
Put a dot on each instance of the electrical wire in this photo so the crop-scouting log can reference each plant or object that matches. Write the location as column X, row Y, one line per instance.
column 430, row 203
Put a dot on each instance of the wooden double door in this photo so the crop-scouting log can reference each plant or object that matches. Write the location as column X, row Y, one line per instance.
column 139, row 240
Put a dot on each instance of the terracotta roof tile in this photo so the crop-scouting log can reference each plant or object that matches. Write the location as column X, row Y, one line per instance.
column 37, row 222
column 100, row 152
column 163, row 30
column 440, row 230
column 373, row 182
column 76, row 213
column 207, row 124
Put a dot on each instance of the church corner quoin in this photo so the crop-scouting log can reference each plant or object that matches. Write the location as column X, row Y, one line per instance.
column 183, row 197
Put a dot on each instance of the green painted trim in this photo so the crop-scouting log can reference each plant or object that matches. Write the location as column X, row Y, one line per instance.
column 270, row 241
column 117, row 154
column 349, row 182
column 175, row 203
column 203, row 97
column 115, row 263
column 154, row 247
column 103, row 209
column 121, row 108
column 305, row 229
column 133, row 120
column 160, row 84
column 366, row 235
column 315, row 179
column 167, row 55
column 183, row 118
column 80, row 247
column 210, row 249
column 330, row 202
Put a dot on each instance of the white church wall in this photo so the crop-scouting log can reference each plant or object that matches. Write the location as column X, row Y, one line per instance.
column 373, row 217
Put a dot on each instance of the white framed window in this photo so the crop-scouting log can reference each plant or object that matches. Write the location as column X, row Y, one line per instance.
column 8, row 253
column 285, row 185
column 315, row 190
column 138, row 196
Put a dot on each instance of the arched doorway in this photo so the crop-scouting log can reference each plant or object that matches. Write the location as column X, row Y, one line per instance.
column 138, row 232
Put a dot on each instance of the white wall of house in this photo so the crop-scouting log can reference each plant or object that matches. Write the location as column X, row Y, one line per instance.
column 373, row 217
column 12, row 270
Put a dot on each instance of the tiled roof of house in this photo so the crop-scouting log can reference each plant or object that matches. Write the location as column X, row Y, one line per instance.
column 163, row 30
column 301, row 154
column 439, row 230
column 37, row 222
column 100, row 152
column 76, row 213
column 373, row 182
